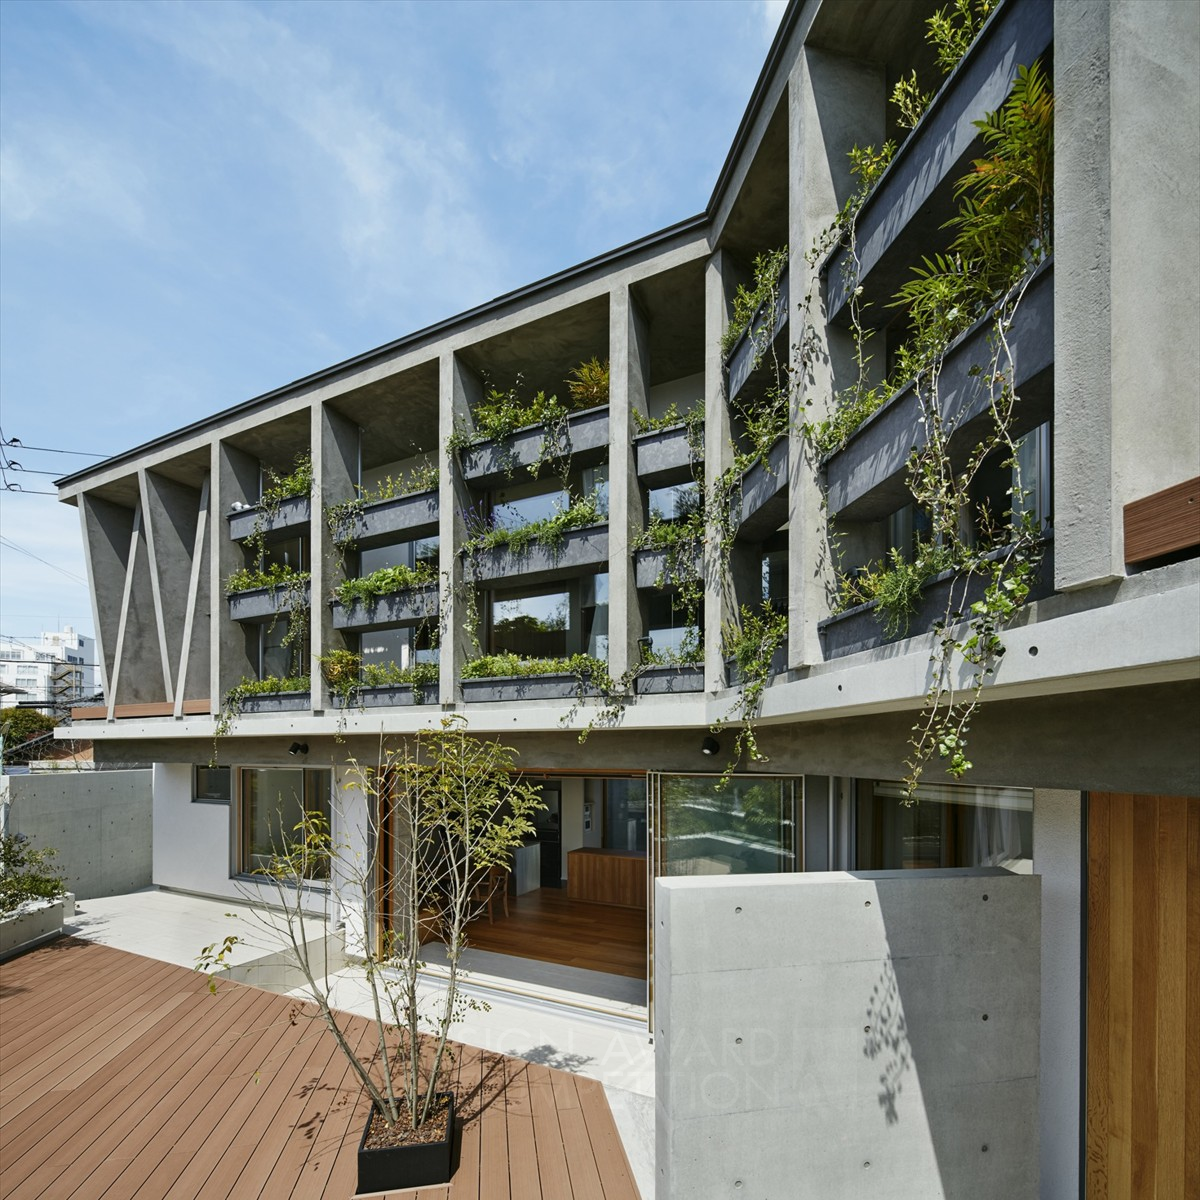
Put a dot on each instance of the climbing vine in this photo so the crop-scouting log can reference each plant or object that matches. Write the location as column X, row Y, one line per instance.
column 1001, row 234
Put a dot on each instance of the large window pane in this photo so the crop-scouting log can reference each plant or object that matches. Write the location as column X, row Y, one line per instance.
column 746, row 827
column 947, row 827
column 274, row 801
column 625, row 815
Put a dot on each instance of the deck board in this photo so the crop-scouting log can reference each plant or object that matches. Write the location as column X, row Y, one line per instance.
column 122, row 1076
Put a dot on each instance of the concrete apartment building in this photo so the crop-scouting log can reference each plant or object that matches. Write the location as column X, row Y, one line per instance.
column 1031, row 928
column 59, row 668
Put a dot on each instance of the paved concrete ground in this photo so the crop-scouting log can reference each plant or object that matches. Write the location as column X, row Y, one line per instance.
column 599, row 1034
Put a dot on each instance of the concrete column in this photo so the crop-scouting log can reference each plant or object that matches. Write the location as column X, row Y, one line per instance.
column 1085, row 519
column 1058, row 857
column 236, row 480
column 458, row 387
column 833, row 104
column 336, row 442
column 720, row 603
column 628, row 370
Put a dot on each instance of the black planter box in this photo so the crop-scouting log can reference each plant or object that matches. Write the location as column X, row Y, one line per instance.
column 386, row 612
column 586, row 440
column 292, row 513
column 421, row 1164
column 397, row 695
column 752, row 350
column 662, row 681
column 497, row 689
column 277, row 702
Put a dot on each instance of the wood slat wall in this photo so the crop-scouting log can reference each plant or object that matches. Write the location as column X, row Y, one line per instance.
column 1163, row 523
column 1143, row 998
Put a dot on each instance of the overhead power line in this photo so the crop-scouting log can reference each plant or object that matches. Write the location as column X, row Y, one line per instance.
column 29, row 554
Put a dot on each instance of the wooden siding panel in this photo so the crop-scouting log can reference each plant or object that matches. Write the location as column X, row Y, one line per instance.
column 1143, row 997
column 1164, row 523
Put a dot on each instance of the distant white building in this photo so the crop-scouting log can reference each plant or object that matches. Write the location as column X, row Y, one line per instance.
column 61, row 668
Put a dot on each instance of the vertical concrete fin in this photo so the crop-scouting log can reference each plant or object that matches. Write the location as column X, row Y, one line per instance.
column 458, row 386
column 337, row 455
column 151, row 510
column 126, row 604
column 235, row 476
column 191, row 624
column 834, row 103
column 628, row 366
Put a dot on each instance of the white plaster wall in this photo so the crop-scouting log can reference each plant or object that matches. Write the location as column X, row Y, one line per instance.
column 572, row 818
column 1058, row 859
column 838, row 1036
column 684, row 393
column 98, row 821
column 191, row 841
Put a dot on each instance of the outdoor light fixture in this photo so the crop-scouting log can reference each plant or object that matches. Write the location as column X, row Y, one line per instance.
column 710, row 745
column 302, row 748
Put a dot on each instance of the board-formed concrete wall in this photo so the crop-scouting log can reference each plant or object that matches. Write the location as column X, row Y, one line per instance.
column 98, row 821
column 847, row 1036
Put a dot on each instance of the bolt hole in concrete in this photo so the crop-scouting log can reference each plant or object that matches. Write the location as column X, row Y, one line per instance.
column 738, row 1041
column 738, row 909
column 1033, row 651
column 867, row 904
column 985, row 1149
column 985, row 1016
column 985, row 895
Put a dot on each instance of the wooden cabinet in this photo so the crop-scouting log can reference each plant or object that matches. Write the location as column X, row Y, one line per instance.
column 607, row 877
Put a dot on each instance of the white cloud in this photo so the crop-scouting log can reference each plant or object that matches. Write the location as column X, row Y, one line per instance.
column 387, row 173
column 51, row 175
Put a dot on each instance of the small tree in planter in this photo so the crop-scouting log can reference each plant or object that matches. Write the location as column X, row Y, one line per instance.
column 446, row 808
column 27, row 874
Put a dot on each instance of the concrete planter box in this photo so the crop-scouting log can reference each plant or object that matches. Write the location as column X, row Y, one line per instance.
column 664, row 457
column 277, row 702
column 662, row 681
column 582, row 551
column 387, row 612
column 395, row 696
column 764, row 495
column 293, row 513
column 866, row 478
column 900, row 218
column 260, row 605
column 522, row 687
column 36, row 924
column 861, row 628
column 490, row 462
column 733, row 676
column 750, row 352
column 650, row 568
column 410, row 517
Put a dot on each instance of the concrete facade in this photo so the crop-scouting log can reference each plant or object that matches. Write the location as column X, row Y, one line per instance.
column 98, row 821
column 877, row 1031
column 1099, row 685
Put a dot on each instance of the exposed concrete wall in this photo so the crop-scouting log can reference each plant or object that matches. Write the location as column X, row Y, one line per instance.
column 98, row 821
column 847, row 1036
column 1058, row 859
column 1155, row 142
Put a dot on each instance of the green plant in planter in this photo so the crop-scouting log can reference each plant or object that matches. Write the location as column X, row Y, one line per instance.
column 762, row 294
column 277, row 575
column 550, row 531
column 751, row 642
column 347, row 675
column 27, row 874
column 588, row 384
column 342, row 518
column 895, row 586
column 234, row 700
column 386, row 581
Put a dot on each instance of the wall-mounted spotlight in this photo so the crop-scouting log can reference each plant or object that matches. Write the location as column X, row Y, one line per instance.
column 710, row 746
column 302, row 748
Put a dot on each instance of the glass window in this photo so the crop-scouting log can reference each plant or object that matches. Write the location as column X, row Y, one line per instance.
column 290, row 552
column 747, row 827
column 274, row 801
column 947, row 827
column 399, row 554
column 276, row 659
column 404, row 647
column 669, row 629
column 211, row 785
column 625, row 814
column 675, row 502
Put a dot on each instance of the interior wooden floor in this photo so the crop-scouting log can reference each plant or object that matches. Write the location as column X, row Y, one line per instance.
column 545, row 925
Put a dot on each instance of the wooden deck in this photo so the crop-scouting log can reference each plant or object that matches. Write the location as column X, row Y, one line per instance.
column 545, row 924
column 121, row 1076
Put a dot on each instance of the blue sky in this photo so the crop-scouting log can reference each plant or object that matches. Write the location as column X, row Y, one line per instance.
column 203, row 201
